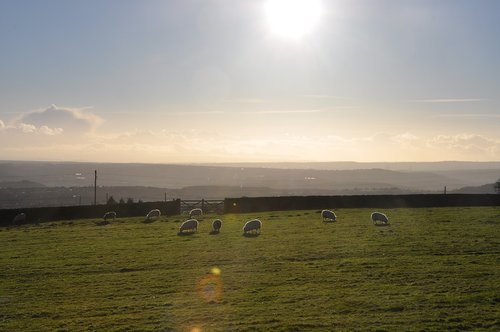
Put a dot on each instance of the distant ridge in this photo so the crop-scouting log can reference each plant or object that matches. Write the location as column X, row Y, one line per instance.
column 352, row 165
column 312, row 176
column 21, row 184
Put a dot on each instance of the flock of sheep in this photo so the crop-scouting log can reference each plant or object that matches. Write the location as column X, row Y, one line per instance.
column 191, row 225
column 251, row 227
column 378, row 218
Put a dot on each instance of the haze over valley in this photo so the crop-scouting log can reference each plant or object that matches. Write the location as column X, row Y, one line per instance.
column 71, row 183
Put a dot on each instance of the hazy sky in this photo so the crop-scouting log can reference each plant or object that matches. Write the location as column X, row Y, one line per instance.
column 215, row 81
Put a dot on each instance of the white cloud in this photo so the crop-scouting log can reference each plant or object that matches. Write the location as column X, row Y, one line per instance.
column 50, row 141
column 26, row 128
column 50, row 131
column 467, row 144
column 2, row 125
column 71, row 120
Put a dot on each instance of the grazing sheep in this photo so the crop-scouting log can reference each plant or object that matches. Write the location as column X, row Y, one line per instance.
column 328, row 215
column 195, row 212
column 19, row 219
column 253, row 225
column 153, row 214
column 216, row 225
column 379, row 217
column 109, row 215
column 190, row 225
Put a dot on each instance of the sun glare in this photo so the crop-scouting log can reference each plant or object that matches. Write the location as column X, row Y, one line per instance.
column 293, row 19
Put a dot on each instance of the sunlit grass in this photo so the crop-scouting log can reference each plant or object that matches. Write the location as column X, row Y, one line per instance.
column 431, row 269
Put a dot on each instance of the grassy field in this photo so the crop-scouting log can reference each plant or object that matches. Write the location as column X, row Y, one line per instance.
column 431, row 269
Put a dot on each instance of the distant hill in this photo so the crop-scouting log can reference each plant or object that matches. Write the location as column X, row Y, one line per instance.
column 484, row 189
column 352, row 165
column 311, row 177
column 21, row 184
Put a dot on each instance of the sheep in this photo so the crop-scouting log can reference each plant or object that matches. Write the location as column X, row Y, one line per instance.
column 328, row 215
column 253, row 225
column 216, row 225
column 109, row 215
column 153, row 214
column 379, row 217
column 190, row 225
column 19, row 218
column 195, row 212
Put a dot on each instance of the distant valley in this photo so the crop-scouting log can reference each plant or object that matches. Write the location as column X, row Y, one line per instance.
column 70, row 183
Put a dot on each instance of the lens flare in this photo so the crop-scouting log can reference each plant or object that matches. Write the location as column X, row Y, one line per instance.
column 210, row 287
column 215, row 270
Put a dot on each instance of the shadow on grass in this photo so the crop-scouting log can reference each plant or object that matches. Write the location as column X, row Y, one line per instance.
column 148, row 221
column 251, row 234
column 102, row 223
column 329, row 221
column 381, row 224
column 214, row 232
column 185, row 233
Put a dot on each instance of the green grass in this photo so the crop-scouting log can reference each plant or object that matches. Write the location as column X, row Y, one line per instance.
column 431, row 269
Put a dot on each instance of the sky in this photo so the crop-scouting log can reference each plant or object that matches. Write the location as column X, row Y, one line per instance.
column 188, row 81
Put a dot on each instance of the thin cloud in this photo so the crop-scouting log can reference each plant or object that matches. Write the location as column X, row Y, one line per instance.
column 283, row 111
column 468, row 115
column 196, row 112
column 246, row 100
column 321, row 96
column 250, row 112
column 449, row 100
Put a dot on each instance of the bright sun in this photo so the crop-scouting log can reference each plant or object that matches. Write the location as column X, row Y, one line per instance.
column 292, row 19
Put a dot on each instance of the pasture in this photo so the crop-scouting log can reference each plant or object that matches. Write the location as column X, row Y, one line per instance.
column 431, row 269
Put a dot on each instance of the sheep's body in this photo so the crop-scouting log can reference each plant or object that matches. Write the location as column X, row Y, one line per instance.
column 153, row 214
column 195, row 213
column 379, row 217
column 253, row 225
column 328, row 215
column 109, row 215
column 19, row 218
column 216, row 225
column 190, row 225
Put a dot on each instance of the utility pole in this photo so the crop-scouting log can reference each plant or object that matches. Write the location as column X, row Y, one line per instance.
column 95, row 187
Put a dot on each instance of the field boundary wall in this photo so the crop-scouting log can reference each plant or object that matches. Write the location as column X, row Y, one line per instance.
column 282, row 203
column 44, row 214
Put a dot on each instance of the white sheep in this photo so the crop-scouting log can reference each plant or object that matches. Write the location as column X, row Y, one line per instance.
column 328, row 215
column 253, row 225
column 109, row 215
column 19, row 218
column 190, row 225
column 379, row 217
column 216, row 225
column 153, row 214
column 195, row 212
